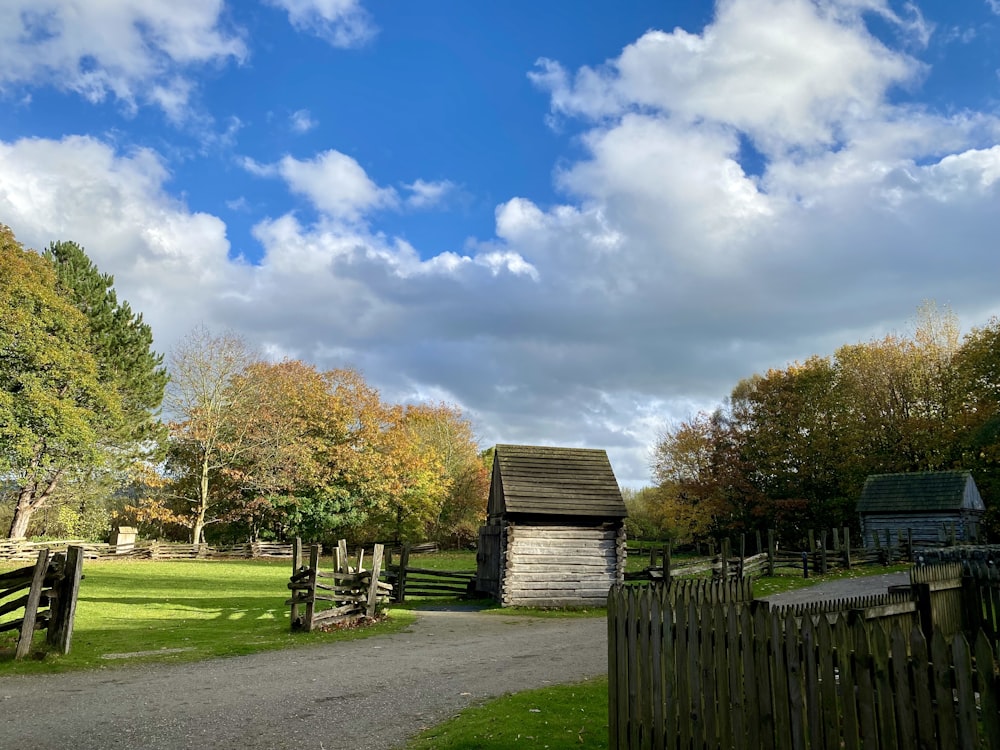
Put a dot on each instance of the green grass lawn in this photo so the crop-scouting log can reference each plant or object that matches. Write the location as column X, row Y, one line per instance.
column 178, row 611
column 559, row 717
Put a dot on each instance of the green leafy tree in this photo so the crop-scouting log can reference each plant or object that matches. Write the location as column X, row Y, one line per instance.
column 53, row 404
column 122, row 345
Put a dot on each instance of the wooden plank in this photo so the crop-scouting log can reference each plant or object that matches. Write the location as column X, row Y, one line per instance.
column 923, row 690
column 60, row 633
column 793, row 666
column 31, row 606
column 865, row 666
column 941, row 675
column 846, row 683
column 906, row 727
column 966, row 719
column 826, row 671
column 657, row 739
column 883, row 683
column 989, row 690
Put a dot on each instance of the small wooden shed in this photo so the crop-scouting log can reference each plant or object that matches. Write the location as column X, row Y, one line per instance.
column 929, row 505
column 555, row 532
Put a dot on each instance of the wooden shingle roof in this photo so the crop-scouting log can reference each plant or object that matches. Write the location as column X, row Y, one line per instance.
column 920, row 491
column 558, row 481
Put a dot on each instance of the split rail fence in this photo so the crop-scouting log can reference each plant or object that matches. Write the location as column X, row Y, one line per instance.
column 146, row 550
column 353, row 591
column 423, row 582
column 690, row 671
column 47, row 593
column 825, row 551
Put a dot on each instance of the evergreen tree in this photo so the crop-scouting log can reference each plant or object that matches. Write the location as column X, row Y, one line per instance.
column 122, row 346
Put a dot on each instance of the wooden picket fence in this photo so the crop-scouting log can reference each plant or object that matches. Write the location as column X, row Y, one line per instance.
column 733, row 674
column 353, row 591
column 48, row 593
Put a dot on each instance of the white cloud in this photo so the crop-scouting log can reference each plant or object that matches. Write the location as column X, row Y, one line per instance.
column 670, row 268
column 425, row 194
column 342, row 23
column 302, row 121
column 789, row 73
column 132, row 50
column 336, row 185
column 158, row 250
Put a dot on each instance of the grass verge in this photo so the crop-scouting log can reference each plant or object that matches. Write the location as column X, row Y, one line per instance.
column 558, row 717
column 187, row 610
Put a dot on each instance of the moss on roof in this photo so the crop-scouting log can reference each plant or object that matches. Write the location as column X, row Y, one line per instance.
column 558, row 481
column 914, row 492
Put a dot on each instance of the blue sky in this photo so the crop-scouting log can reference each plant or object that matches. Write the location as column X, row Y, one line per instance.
column 579, row 221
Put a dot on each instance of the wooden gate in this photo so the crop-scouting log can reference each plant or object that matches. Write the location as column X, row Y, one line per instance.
column 489, row 560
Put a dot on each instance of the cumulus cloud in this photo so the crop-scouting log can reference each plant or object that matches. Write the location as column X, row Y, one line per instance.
column 425, row 194
column 302, row 121
column 335, row 184
column 131, row 50
column 342, row 23
column 697, row 238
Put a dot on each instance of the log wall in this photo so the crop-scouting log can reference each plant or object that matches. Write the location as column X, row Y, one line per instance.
column 560, row 565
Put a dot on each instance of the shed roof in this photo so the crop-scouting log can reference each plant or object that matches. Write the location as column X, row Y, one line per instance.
column 558, row 481
column 920, row 492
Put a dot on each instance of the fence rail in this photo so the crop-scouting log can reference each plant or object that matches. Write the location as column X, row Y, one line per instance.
column 353, row 592
column 47, row 593
column 410, row 581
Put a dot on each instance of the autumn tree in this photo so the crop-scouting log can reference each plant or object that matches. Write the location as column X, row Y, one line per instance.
column 54, row 405
column 207, row 436
column 444, row 432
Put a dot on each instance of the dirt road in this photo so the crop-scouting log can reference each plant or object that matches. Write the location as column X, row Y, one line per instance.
column 371, row 693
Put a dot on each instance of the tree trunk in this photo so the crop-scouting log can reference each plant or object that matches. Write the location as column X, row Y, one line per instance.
column 30, row 499
column 198, row 531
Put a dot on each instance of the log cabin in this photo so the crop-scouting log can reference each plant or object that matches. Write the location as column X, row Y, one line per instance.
column 930, row 506
column 554, row 533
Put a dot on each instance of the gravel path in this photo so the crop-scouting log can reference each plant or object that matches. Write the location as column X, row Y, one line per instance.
column 841, row 588
column 370, row 693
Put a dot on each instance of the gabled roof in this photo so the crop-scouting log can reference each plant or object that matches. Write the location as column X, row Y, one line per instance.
column 557, row 481
column 920, row 491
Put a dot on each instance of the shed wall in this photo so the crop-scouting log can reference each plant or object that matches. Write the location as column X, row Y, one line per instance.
column 549, row 565
column 927, row 529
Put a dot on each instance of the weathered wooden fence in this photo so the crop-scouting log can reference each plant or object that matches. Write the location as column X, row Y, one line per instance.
column 47, row 592
column 352, row 591
column 410, row 581
column 733, row 675
column 147, row 550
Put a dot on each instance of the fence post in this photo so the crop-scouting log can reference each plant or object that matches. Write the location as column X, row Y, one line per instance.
column 805, row 564
column 836, row 539
column 847, row 548
column 667, row 562
column 888, row 546
column 743, row 552
column 909, row 544
column 822, row 553
column 404, row 560
column 922, row 596
column 770, row 552
column 31, row 607
column 311, row 601
column 373, row 585
column 726, row 552
column 63, row 613
column 296, row 566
